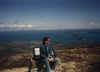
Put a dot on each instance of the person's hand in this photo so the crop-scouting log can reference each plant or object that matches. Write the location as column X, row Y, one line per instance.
column 50, row 59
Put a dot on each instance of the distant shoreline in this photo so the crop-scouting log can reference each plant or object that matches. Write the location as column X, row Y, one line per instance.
column 45, row 30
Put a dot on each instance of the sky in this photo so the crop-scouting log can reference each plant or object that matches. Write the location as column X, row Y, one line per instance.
column 49, row 14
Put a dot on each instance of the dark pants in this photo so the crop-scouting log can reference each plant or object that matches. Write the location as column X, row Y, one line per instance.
column 46, row 63
column 41, row 62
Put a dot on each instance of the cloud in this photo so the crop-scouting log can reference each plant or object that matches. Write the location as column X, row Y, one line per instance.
column 92, row 23
column 19, row 27
column 22, row 27
column 15, row 27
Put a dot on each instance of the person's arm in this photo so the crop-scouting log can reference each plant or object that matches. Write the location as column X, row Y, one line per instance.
column 42, row 53
column 54, row 53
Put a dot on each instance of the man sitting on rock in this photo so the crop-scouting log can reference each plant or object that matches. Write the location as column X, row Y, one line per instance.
column 46, row 56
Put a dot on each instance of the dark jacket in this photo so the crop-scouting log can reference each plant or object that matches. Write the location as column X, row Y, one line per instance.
column 46, row 51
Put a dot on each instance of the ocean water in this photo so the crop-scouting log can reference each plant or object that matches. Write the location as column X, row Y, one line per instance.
column 65, row 36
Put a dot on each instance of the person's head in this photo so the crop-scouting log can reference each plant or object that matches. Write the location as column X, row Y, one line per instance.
column 46, row 40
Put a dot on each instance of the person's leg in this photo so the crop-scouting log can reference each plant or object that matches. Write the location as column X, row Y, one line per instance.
column 48, row 69
column 53, row 64
column 57, row 61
